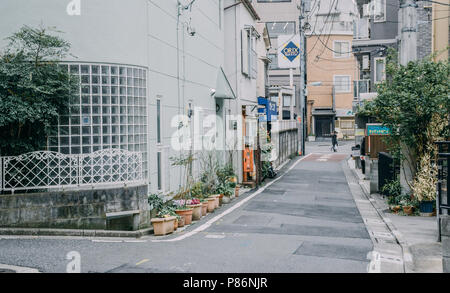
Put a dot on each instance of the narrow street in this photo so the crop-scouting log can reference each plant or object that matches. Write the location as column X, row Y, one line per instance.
column 306, row 221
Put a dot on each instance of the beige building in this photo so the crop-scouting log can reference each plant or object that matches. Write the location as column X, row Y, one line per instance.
column 331, row 70
column 330, row 86
column 440, row 30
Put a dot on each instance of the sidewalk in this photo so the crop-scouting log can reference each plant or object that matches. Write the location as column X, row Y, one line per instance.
column 417, row 235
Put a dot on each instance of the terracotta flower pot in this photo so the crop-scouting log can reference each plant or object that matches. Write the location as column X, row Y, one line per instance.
column 197, row 211
column 187, row 214
column 181, row 222
column 175, row 225
column 408, row 210
column 216, row 197
column 395, row 209
column 211, row 204
column 204, row 208
column 236, row 191
column 220, row 199
column 163, row 226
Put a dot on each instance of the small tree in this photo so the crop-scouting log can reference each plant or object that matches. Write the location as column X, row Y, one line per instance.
column 34, row 90
column 414, row 103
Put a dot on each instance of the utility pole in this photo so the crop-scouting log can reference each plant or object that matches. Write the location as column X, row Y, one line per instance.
column 302, row 75
column 408, row 31
column 408, row 52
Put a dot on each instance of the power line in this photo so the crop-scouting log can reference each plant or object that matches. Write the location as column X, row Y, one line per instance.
column 436, row 2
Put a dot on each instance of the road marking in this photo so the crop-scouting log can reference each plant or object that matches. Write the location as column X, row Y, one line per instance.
column 215, row 236
column 142, row 261
column 237, row 205
column 119, row 241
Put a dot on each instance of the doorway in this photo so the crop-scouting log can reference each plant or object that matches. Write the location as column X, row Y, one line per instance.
column 324, row 126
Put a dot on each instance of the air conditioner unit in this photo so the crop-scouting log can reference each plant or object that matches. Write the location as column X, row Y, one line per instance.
column 365, row 62
column 369, row 9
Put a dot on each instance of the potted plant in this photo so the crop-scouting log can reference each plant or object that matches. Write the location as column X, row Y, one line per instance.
column 237, row 190
column 227, row 195
column 165, row 222
column 393, row 190
column 407, row 205
column 424, row 186
column 180, row 202
column 196, row 207
column 199, row 206
column 182, row 209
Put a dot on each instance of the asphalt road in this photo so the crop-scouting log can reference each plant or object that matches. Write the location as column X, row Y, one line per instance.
column 306, row 221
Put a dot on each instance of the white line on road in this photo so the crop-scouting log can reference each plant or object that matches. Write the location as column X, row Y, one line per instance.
column 237, row 205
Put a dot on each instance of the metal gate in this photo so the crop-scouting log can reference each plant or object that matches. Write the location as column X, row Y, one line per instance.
column 443, row 196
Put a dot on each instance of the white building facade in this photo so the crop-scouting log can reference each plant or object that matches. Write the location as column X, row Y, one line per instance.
column 141, row 63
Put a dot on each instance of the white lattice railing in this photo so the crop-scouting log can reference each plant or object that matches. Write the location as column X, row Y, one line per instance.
column 45, row 170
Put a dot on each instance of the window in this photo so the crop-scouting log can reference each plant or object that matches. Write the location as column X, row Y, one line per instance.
column 380, row 69
column 273, row 65
column 287, row 101
column 280, row 28
column 249, row 56
column 341, row 49
column 159, row 164
column 342, row 83
column 380, row 10
column 158, row 120
column 101, row 117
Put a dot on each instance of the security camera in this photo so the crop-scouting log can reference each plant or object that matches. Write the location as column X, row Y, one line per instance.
column 213, row 92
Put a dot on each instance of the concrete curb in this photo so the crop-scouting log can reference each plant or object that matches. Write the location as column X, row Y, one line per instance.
column 73, row 233
column 407, row 255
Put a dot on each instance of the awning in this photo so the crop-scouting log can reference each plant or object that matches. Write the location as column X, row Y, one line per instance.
column 323, row 112
column 223, row 87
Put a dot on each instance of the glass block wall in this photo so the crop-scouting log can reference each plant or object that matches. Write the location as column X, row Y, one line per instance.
column 109, row 112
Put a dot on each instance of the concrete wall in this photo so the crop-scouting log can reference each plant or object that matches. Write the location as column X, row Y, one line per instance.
column 83, row 209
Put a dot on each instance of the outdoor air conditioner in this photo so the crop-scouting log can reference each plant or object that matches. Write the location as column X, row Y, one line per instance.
column 369, row 9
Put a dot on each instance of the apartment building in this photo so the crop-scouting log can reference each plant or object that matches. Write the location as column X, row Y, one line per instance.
column 331, row 68
column 246, row 46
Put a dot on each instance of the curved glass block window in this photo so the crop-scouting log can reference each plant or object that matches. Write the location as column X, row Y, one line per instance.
column 110, row 111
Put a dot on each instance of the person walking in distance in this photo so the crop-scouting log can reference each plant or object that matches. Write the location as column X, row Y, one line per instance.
column 334, row 141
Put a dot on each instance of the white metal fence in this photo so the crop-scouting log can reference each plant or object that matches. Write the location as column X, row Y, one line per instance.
column 50, row 170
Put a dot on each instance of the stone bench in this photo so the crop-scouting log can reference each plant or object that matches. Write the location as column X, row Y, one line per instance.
column 135, row 214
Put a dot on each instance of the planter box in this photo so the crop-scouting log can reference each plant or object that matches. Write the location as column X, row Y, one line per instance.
column 211, row 204
column 197, row 211
column 204, row 208
column 226, row 200
column 163, row 226
column 187, row 214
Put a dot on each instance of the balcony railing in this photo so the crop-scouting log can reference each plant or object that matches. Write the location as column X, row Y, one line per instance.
column 361, row 87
